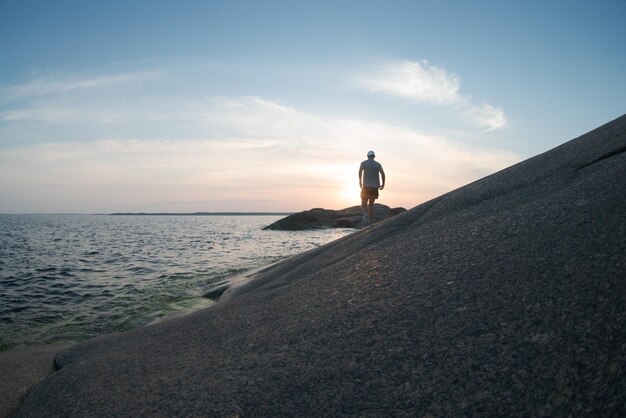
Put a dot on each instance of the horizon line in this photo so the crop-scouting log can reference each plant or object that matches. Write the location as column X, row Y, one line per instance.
column 218, row 213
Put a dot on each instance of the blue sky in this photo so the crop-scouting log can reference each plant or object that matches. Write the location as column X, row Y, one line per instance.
column 271, row 105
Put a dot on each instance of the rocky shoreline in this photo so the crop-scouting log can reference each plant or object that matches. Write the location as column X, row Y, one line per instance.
column 319, row 218
column 502, row 298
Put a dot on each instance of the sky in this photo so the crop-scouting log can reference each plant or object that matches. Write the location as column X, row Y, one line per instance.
column 186, row 106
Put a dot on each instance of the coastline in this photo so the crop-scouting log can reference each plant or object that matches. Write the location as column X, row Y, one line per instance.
column 24, row 366
column 127, row 271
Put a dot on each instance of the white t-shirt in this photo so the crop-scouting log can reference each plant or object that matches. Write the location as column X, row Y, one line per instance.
column 371, row 170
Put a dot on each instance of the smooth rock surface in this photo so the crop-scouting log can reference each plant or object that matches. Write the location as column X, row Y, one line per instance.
column 318, row 218
column 502, row 298
column 20, row 369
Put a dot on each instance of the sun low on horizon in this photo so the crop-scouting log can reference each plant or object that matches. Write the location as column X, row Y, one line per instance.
column 349, row 193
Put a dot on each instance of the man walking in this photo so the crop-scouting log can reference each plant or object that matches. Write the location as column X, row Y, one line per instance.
column 369, row 181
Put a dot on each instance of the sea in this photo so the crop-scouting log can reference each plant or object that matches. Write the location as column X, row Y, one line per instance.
column 66, row 278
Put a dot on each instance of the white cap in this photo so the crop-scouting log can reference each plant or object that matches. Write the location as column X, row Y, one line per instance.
column 371, row 153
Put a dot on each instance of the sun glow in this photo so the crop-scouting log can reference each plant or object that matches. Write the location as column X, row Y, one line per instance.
column 349, row 193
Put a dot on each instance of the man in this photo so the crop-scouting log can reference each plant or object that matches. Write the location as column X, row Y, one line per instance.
column 369, row 182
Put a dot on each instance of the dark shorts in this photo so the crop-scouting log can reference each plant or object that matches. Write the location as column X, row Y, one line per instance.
column 369, row 193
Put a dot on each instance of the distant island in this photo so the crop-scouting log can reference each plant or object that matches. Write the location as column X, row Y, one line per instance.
column 200, row 214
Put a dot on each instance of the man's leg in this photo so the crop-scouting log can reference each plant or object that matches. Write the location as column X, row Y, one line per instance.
column 364, row 206
column 364, row 210
column 371, row 209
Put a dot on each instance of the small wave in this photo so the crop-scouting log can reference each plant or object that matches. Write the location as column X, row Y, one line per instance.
column 90, row 270
column 142, row 270
column 45, row 269
column 11, row 281
column 17, row 309
column 60, row 285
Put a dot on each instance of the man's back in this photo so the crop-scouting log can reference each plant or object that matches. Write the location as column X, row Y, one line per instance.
column 371, row 169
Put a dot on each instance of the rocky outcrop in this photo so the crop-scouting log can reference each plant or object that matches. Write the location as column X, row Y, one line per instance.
column 318, row 218
column 502, row 298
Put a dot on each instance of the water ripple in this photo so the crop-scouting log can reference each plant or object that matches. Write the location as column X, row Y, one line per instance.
column 66, row 278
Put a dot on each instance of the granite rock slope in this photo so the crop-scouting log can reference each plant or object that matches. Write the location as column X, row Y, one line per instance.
column 504, row 297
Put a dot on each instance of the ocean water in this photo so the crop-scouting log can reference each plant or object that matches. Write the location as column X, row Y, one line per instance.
column 65, row 278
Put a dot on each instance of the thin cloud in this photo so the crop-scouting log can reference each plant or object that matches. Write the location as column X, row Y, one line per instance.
column 421, row 82
column 47, row 85
column 37, row 114
column 414, row 80
column 486, row 117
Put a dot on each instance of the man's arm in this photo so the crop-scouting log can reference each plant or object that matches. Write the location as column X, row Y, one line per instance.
column 361, row 176
column 382, row 175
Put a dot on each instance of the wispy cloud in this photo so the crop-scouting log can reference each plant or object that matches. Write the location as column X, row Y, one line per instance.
column 49, row 85
column 414, row 80
column 294, row 159
column 486, row 116
column 421, row 82
column 48, row 114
